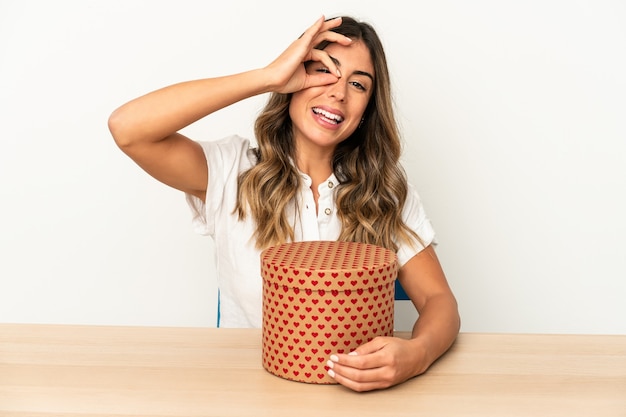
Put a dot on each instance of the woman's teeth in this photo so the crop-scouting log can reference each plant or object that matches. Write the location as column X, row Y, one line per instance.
column 331, row 117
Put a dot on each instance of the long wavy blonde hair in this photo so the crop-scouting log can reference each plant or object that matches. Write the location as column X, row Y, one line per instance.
column 372, row 184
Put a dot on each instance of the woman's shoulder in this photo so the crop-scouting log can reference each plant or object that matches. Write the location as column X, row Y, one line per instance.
column 234, row 140
column 230, row 147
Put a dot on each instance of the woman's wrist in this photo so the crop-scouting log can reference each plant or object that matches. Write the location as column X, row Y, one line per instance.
column 423, row 354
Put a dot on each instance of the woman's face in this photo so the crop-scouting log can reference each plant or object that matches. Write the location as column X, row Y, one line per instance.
column 325, row 116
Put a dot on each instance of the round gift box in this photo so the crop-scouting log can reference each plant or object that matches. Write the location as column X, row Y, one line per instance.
column 320, row 298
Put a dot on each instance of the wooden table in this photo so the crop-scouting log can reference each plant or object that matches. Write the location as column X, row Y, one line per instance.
column 80, row 371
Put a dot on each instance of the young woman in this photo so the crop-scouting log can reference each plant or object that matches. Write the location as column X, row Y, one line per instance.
column 326, row 167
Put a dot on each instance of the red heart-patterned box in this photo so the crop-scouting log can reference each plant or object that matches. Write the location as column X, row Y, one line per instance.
column 320, row 298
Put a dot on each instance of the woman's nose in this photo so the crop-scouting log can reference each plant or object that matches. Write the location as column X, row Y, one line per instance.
column 338, row 90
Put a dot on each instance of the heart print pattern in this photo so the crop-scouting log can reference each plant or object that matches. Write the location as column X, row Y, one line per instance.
column 323, row 297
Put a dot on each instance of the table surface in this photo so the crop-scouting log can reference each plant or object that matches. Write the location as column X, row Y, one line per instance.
column 88, row 371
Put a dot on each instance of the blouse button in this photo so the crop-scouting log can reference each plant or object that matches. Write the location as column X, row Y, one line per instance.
column 330, row 184
column 327, row 211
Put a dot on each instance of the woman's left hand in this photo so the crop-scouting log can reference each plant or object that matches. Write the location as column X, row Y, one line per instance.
column 386, row 361
column 380, row 363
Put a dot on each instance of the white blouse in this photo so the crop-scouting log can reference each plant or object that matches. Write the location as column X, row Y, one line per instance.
column 237, row 260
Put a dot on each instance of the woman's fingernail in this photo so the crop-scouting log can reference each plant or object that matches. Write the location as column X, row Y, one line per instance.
column 334, row 358
column 353, row 353
column 331, row 373
column 330, row 364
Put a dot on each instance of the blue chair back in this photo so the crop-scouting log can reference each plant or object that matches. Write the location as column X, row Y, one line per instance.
column 400, row 294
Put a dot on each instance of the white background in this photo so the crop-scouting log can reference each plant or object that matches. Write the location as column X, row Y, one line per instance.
column 512, row 113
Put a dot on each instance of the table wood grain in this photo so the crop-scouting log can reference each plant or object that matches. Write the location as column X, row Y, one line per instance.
column 89, row 371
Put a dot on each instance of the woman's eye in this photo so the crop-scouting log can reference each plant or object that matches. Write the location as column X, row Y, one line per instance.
column 323, row 69
column 358, row 85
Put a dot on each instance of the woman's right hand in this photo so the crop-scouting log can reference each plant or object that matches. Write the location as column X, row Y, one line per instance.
column 287, row 73
column 146, row 128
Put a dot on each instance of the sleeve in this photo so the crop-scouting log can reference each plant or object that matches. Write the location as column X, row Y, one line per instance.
column 414, row 217
column 226, row 158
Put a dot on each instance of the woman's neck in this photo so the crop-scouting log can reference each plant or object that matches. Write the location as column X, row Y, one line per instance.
column 318, row 167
